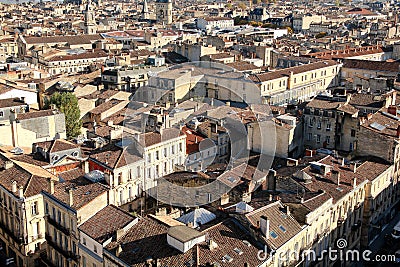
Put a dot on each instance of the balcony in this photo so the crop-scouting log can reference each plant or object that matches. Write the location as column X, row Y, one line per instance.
column 17, row 239
column 69, row 255
column 58, row 226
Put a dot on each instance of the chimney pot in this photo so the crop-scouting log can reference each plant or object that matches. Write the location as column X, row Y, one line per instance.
column 71, row 198
column 21, row 192
column 51, row 186
column 14, row 186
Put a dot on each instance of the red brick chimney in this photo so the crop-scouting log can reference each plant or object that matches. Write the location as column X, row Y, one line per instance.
column 392, row 110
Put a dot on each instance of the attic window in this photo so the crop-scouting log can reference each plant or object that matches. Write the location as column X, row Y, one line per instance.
column 227, row 258
column 339, row 189
column 231, row 179
column 238, row 251
column 273, row 234
column 283, row 229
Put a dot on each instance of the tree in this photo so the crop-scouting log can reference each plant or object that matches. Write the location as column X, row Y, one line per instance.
column 67, row 103
column 242, row 6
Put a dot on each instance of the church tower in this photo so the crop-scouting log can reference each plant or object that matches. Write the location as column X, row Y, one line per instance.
column 90, row 23
column 164, row 11
column 145, row 11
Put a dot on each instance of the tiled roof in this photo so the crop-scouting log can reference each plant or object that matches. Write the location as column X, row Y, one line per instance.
column 328, row 183
column 106, row 222
column 114, row 157
column 57, row 145
column 372, row 65
column 11, row 102
column 138, row 246
column 296, row 70
column 37, row 114
column 83, row 190
column 72, row 40
column 277, row 216
column 390, row 124
column 33, row 179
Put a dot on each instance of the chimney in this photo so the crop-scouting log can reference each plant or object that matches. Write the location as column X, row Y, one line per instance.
column 119, row 250
column 342, row 162
column 119, row 234
column 264, row 226
column 336, row 174
column 355, row 182
column 14, row 186
column 71, row 197
column 21, row 192
column 392, row 110
column 212, row 245
column 287, row 210
column 51, row 186
column 353, row 167
column 302, row 200
column 270, row 197
column 8, row 164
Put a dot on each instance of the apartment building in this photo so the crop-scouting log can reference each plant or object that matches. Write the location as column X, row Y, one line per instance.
column 67, row 204
column 121, row 170
column 22, row 212
column 24, row 129
column 107, row 225
column 330, row 122
column 211, row 23
column 72, row 62
column 127, row 79
column 8, row 48
column 297, row 84
column 162, row 152
column 9, row 105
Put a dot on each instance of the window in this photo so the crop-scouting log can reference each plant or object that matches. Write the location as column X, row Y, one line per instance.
column 84, row 241
column 1, row 113
column 165, row 152
column 318, row 138
column 309, row 136
column 157, row 155
column 319, row 125
column 180, row 147
column 282, row 228
column 311, row 122
column 120, row 178
column 328, row 139
column 83, row 261
column 95, row 249
column 34, row 208
column 328, row 126
column 353, row 133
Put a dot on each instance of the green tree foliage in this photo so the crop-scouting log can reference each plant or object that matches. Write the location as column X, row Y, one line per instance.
column 67, row 103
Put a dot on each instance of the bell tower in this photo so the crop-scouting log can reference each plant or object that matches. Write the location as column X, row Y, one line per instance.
column 90, row 22
column 164, row 11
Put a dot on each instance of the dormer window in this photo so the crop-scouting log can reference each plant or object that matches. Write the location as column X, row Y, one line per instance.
column 75, row 154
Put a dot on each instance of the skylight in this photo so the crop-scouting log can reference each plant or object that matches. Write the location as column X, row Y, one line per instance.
column 247, row 243
column 227, row 258
column 238, row 251
column 377, row 126
column 273, row 234
column 283, row 229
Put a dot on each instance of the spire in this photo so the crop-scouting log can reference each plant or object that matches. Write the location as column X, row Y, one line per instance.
column 145, row 10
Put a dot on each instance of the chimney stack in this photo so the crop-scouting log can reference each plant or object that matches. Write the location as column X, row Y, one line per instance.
column 353, row 167
column 21, row 192
column 270, row 197
column 342, row 162
column 14, row 186
column 287, row 210
column 8, row 164
column 354, row 182
column 392, row 110
column 71, row 197
column 51, row 186
column 264, row 226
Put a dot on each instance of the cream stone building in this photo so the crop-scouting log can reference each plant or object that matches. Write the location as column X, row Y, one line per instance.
column 22, row 212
